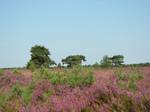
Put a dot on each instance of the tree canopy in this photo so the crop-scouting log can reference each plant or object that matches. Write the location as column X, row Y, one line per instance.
column 106, row 62
column 40, row 57
column 73, row 60
column 117, row 60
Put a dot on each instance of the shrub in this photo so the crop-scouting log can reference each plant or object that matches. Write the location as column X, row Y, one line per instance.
column 120, row 74
column 17, row 72
column 3, row 98
column 73, row 77
column 127, row 80
column 31, row 66
column 27, row 94
column 16, row 90
column 1, row 72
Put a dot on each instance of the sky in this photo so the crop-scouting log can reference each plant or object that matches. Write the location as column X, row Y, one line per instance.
column 93, row 28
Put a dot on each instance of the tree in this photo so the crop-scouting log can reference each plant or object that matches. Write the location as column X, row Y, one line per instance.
column 96, row 65
column 59, row 65
column 106, row 62
column 40, row 57
column 117, row 60
column 73, row 60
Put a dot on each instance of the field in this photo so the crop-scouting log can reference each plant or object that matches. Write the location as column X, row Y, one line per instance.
column 79, row 89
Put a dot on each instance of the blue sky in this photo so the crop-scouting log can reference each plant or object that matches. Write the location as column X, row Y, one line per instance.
column 90, row 27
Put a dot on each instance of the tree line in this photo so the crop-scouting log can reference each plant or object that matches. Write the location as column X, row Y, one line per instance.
column 40, row 57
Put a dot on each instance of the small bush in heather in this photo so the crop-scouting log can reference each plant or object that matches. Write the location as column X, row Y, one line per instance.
column 27, row 94
column 16, row 90
column 1, row 72
column 127, row 80
column 120, row 74
column 17, row 72
column 31, row 66
column 24, row 92
column 77, row 76
column 3, row 98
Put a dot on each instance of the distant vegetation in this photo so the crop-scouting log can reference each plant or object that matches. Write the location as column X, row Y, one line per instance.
column 70, row 86
column 115, row 61
column 39, row 58
column 73, row 60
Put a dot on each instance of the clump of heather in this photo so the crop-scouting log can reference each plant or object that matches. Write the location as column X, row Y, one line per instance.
column 9, row 79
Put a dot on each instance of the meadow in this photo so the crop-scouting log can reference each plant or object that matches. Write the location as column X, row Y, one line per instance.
column 77, row 89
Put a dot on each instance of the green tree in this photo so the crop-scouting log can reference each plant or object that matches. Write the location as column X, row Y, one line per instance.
column 106, row 62
column 96, row 65
column 73, row 60
column 59, row 65
column 117, row 60
column 40, row 57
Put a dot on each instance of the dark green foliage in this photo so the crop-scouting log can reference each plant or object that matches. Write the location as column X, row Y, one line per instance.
column 73, row 60
column 39, row 57
column 106, row 62
column 117, row 60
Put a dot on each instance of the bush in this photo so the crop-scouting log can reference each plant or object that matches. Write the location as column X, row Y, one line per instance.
column 17, row 72
column 31, row 66
column 2, row 99
column 16, row 90
column 77, row 76
column 27, row 94
column 127, row 80
column 1, row 72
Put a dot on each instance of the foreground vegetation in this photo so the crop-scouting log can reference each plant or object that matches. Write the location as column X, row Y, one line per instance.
column 73, row 90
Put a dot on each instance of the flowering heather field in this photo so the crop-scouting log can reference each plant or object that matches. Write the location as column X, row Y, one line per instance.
column 112, row 90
